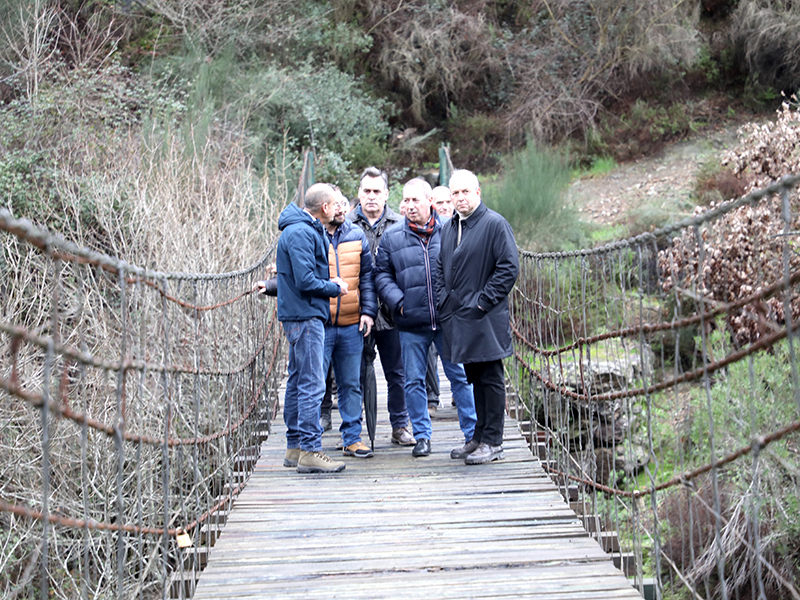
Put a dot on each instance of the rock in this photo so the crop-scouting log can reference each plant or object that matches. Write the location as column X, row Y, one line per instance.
column 611, row 425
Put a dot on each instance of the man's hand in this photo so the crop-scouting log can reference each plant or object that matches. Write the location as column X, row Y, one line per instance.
column 262, row 287
column 342, row 285
column 366, row 324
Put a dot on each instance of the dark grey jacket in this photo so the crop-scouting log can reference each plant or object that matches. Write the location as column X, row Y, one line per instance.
column 473, row 283
column 374, row 233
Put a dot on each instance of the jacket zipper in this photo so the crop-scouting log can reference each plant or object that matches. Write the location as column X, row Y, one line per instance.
column 429, row 283
column 338, row 274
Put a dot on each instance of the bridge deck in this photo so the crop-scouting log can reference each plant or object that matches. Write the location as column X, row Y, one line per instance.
column 395, row 526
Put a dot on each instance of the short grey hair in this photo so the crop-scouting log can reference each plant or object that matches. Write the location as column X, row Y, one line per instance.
column 375, row 172
column 469, row 175
column 419, row 181
column 317, row 195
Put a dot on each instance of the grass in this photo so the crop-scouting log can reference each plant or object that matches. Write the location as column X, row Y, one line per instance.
column 531, row 195
column 600, row 166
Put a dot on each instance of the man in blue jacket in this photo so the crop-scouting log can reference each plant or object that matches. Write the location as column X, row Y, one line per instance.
column 404, row 278
column 304, row 292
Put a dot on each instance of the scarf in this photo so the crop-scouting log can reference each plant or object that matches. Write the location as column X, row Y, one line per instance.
column 424, row 231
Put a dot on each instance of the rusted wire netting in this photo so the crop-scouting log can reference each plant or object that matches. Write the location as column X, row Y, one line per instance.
column 659, row 375
column 132, row 405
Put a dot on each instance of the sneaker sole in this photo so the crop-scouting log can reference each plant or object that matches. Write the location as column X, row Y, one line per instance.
column 411, row 443
column 303, row 469
column 289, row 463
column 356, row 455
column 494, row 457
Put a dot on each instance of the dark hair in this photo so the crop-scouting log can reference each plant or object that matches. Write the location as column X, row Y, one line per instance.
column 375, row 172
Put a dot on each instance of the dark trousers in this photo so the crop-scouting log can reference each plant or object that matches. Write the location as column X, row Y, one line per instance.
column 432, row 376
column 388, row 343
column 489, row 390
column 330, row 390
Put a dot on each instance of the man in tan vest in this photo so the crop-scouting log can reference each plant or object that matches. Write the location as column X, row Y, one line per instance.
column 352, row 318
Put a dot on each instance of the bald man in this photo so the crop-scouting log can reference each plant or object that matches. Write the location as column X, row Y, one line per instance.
column 304, row 292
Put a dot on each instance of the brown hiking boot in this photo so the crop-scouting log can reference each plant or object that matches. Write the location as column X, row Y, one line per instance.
column 402, row 436
column 359, row 450
column 317, row 462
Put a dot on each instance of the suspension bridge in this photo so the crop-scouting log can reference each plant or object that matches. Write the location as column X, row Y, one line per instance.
column 654, row 410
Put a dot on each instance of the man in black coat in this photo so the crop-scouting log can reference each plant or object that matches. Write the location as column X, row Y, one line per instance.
column 477, row 267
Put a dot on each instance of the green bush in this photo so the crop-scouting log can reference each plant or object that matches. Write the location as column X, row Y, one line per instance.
column 531, row 196
column 309, row 106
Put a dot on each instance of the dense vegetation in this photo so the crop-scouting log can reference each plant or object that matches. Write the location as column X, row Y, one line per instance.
column 168, row 132
column 86, row 84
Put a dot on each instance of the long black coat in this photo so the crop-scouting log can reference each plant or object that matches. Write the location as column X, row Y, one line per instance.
column 480, row 272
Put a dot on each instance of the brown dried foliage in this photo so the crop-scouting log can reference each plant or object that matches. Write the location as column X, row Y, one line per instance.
column 744, row 250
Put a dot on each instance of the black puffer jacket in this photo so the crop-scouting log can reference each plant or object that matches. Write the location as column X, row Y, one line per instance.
column 473, row 282
column 383, row 321
column 404, row 277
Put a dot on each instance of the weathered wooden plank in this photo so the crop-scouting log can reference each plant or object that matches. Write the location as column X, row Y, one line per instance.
column 395, row 525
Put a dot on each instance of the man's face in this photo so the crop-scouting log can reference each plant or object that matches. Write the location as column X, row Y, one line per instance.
column 372, row 195
column 442, row 203
column 328, row 209
column 464, row 196
column 341, row 206
column 417, row 207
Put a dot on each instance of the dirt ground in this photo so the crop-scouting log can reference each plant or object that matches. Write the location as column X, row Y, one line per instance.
column 664, row 181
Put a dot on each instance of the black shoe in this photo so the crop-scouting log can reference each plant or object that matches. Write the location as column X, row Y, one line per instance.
column 423, row 448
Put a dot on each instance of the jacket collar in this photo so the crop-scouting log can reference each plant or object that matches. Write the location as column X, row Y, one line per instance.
column 476, row 215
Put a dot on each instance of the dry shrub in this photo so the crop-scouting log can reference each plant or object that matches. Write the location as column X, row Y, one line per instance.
column 769, row 33
column 769, row 151
column 438, row 55
column 150, row 196
column 718, row 184
column 743, row 250
column 690, row 516
column 581, row 53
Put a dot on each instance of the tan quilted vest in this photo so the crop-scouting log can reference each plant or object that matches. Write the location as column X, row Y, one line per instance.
column 345, row 310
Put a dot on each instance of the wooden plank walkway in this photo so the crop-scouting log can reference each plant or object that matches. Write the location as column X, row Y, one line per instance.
column 395, row 526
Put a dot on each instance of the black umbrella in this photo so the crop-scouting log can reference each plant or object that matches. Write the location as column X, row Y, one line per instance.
column 369, row 388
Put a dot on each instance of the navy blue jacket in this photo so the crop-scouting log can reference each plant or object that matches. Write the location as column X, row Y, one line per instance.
column 304, row 284
column 404, row 271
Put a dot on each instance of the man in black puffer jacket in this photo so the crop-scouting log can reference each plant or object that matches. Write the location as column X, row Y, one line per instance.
column 375, row 217
column 404, row 279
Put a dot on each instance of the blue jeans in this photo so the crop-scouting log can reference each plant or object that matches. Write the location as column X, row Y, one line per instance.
column 415, row 362
column 343, row 347
column 305, row 386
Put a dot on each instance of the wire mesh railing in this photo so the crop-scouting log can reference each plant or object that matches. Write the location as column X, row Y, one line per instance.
column 659, row 379
column 131, row 413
